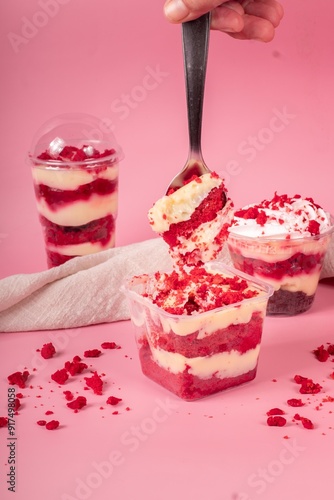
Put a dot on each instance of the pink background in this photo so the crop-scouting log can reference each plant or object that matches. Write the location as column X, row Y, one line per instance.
column 90, row 55
column 96, row 58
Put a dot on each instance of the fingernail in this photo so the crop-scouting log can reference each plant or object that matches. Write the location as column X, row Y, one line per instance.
column 176, row 10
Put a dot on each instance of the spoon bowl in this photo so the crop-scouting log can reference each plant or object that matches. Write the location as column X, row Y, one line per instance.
column 195, row 38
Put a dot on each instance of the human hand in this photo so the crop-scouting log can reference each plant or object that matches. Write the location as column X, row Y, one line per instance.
column 241, row 19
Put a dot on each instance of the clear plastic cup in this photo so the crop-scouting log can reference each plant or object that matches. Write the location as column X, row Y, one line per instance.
column 196, row 355
column 75, row 167
column 291, row 266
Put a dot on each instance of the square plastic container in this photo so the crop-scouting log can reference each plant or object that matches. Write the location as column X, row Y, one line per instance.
column 291, row 266
column 196, row 355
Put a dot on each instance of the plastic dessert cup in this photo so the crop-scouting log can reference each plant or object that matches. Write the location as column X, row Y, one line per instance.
column 291, row 266
column 76, row 186
column 194, row 356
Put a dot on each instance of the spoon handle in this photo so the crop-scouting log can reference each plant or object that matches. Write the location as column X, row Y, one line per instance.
column 195, row 52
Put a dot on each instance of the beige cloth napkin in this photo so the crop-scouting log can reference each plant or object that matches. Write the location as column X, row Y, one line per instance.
column 86, row 290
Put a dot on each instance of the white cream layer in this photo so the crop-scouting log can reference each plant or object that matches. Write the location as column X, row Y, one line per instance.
column 180, row 206
column 206, row 324
column 81, row 248
column 278, row 250
column 71, row 179
column 220, row 365
column 78, row 213
column 306, row 283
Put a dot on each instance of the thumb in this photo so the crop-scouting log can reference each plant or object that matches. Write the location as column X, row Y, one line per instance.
column 177, row 11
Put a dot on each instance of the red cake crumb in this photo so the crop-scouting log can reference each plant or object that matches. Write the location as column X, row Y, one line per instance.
column 276, row 421
column 331, row 375
column 19, row 395
column 299, row 379
column 330, row 349
column 60, row 376
column 295, row 402
column 17, row 404
column 275, row 411
column 95, row 382
column 3, row 421
column 314, row 227
column 72, row 153
column 68, row 395
column 92, row 353
column 49, row 412
column 41, row 422
column 78, row 403
column 74, row 367
column 321, row 353
column 307, row 385
column 112, row 400
column 310, row 387
column 48, row 351
column 307, row 423
column 18, row 378
column 110, row 345
column 53, row 424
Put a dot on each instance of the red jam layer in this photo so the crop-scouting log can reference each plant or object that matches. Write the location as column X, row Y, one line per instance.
column 184, row 384
column 205, row 212
column 97, row 231
column 56, row 259
column 58, row 197
column 240, row 338
column 295, row 265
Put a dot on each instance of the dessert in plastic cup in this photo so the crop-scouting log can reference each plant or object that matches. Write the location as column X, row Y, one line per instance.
column 75, row 176
column 198, row 332
column 283, row 242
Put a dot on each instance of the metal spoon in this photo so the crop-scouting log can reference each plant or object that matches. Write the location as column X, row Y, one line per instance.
column 195, row 35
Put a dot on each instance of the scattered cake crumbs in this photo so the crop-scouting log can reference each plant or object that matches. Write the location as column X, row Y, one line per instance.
column 110, row 345
column 275, row 411
column 95, row 382
column 3, row 421
column 276, row 421
column 48, row 351
column 18, row 378
column 60, row 376
column 92, row 353
column 53, row 424
column 112, row 400
column 78, row 403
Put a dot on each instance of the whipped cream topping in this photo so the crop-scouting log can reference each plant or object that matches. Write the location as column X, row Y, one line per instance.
column 282, row 217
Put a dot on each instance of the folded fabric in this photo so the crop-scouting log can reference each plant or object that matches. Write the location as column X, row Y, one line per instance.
column 86, row 290
column 83, row 291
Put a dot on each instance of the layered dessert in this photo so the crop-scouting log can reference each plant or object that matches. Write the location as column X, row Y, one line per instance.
column 77, row 197
column 199, row 330
column 193, row 219
column 199, row 326
column 282, row 241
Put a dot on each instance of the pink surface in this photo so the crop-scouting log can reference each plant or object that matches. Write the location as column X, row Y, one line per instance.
column 267, row 126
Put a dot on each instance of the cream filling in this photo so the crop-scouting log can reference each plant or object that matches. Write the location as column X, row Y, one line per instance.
column 71, row 179
column 81, row 248
column 180, row 206
column 80, row 212
column 220, row 365
column 205, row 323
column 277, row 251
column 306, row 283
